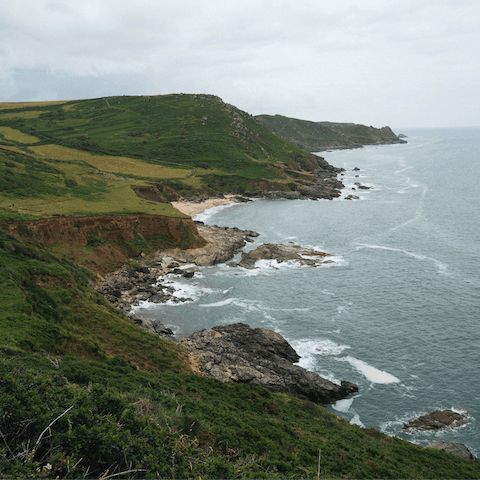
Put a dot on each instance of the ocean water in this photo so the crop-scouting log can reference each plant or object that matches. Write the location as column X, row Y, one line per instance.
column 398, row 309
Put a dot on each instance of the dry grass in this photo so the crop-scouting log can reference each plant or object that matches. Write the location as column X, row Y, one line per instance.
column 12, row 149
column 8, row 105
column 121, row 165
column 121, row 199
column 17, row 136
column 27, row 115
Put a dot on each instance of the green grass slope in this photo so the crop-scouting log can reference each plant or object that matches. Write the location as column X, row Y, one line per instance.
column 318, row 136
column 90, row 152
column 84, row 393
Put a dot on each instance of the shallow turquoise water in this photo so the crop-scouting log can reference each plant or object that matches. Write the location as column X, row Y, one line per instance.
column 398, row 310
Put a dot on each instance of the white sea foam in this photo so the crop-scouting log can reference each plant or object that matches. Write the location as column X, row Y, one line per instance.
column 335, row 261
column 442, row 267
column 369, row 372
column 356, row 420
column 343, row 405
column 310, row 349
column 220, row 304
column 182, row 293
column 403, row 169
column 206, row 214
column 309, row 360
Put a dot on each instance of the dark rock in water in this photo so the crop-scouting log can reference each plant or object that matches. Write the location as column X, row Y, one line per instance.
column 437, row 420
column 188, row 274
column 281, row 253
column 458, row 449
column 238, row 353
column 356, row 169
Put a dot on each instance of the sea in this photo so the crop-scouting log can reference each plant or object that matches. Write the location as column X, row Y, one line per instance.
column 397, row 308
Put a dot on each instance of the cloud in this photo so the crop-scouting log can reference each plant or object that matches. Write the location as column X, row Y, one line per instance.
column 372, row 62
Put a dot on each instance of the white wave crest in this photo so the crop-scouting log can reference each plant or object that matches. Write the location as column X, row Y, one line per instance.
column 370, row 373
column 442, row 267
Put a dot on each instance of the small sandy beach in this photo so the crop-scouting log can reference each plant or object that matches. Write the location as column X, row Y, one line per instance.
column 191, row 208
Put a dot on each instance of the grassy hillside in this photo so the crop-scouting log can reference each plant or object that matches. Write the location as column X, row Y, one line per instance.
column 86, row 393
column 318, row 136
column 84, row 156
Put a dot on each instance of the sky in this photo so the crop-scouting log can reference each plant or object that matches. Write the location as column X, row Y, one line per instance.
column 402, row 63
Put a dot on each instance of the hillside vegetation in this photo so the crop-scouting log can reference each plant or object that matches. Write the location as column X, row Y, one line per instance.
column 83, row 157
column 318, row 136
column 84, row 392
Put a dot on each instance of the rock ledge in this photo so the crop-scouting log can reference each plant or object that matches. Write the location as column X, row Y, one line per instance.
column 238, row 353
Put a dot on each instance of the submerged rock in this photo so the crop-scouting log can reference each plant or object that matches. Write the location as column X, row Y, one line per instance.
column 238, row 353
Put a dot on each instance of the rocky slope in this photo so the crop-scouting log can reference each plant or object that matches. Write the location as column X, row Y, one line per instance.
column 238, row 353
column 131, row 284
column 100, row 241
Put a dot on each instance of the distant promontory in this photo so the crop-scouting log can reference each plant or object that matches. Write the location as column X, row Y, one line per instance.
column 319, row 136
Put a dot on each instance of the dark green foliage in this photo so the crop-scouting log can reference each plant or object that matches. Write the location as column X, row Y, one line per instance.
column 186, row 427
column 26, row 176
column 189, row 131
column 41, row 301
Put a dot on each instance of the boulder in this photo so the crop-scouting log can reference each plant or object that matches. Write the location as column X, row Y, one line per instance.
column 238, row 353
column 281, row 253
column 151, row 326
column 437, row 420
column 458, row 449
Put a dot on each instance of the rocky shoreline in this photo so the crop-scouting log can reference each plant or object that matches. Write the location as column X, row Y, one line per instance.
column 238, row 353
column 230, row 353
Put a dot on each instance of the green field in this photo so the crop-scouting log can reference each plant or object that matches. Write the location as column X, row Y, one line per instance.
column 180, row 141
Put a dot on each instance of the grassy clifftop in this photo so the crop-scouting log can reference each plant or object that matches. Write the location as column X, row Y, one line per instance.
column 84, row 157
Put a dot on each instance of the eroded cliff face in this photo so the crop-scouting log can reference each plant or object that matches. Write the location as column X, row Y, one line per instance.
column 103, row 242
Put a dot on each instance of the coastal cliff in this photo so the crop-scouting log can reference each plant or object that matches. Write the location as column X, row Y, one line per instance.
column 319, row 136
column 100, row 241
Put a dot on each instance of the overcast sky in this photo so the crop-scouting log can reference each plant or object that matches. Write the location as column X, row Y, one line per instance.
column 403, row 63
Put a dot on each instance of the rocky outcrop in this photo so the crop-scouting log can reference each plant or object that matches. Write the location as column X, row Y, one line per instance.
column 148, row 280
column 151, row 326
column 436, row 421
column 282, row 253
column 238, row 353
column 222, row 244
column 458, row 449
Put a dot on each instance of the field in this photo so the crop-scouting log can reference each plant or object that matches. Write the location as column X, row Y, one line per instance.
column 80, row 157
